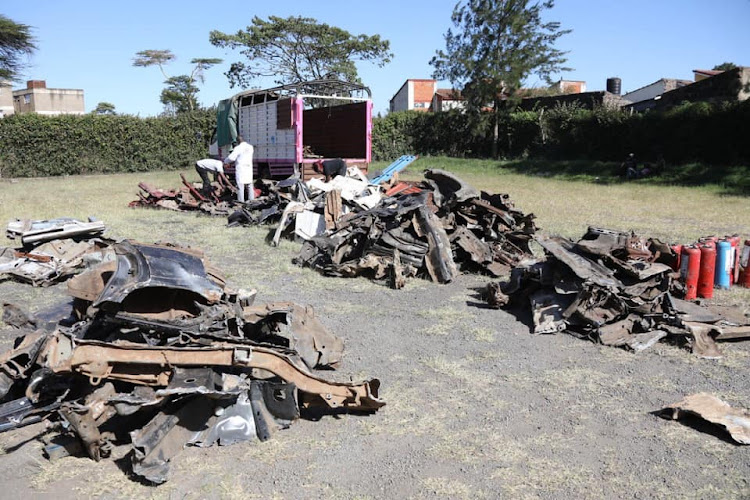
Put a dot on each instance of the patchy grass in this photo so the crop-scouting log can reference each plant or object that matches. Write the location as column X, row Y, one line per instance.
column 567, row 207
column 450, row 488
column 563, row 206
column 443, row 320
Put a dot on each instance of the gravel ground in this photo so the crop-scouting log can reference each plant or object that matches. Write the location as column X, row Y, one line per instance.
column 476, row 406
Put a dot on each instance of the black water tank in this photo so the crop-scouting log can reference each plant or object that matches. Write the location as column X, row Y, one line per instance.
column 614, row 85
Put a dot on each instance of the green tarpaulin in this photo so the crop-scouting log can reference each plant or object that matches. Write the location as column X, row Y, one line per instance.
column 226, row 122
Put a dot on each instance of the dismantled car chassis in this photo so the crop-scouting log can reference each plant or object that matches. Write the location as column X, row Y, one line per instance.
column 159, row 353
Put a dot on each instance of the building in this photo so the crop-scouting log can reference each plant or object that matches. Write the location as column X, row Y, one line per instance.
column 414, row 94
column 37, row 98
column 569, row 87
column 655, row 89
column 702, row 74
column 725, row 86
column 6, row 98
column 446, row 99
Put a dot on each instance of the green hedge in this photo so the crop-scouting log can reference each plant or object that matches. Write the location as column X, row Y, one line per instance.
column 692, row 132
column 34, row 145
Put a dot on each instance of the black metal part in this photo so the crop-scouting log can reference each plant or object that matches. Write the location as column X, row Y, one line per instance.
column 143, row 266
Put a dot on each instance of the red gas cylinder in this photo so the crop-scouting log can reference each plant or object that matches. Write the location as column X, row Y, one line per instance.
column 734, row 258
column 677, row 249
column 708, row 240
column 706, row 273
column 745, row 265
column 690, row 270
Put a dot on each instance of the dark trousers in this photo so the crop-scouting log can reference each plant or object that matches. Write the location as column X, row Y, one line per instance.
column 204, row 178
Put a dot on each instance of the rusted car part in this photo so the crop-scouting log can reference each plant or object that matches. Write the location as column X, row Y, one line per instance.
column 173, row 296
column 220, row 201
column 234, row 393
column 141, row 267
column 105, row 361
column 52, row 261
column 613, row 288
column 736, row 421
column 438, row 228
column 160, row 339
column 34, row 232
column 16, row 317
column 300, row 329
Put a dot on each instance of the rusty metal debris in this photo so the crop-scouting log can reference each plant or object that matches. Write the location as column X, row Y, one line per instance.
column 52, row 250
column 351, row 226
column 614, row 288
column 162, row 354
column 433, row 229
column 219, row 199
column 736, row 421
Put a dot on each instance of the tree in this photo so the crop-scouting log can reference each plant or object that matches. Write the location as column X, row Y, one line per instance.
column 146, row 58
column 298, row 49
column 181, row 92
column 105, row 108
column 15, row 41
column 180, row 95
column 497, row 44
column 724, row 66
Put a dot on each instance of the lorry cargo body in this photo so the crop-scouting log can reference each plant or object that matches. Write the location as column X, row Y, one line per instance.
column 291, row 129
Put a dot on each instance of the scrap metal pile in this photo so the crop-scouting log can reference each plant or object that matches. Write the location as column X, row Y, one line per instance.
column 218, row 199
column 306, row 209
column 353, row 226
column 614, row 288
column 429, row 229
column 52, row 250
column 159, row 353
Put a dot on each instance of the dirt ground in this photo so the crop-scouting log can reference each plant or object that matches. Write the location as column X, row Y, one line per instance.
column 476, row 406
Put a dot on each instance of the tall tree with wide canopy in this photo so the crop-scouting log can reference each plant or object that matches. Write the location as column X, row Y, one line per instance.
column 495, row 46
column 16, row 41
column 298, row 49
column 181, row 92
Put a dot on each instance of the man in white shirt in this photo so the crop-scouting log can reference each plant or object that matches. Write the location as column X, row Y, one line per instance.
column 242, row 157
column 206, row 165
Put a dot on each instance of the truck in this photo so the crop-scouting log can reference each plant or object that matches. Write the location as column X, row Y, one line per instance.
column 292, row 126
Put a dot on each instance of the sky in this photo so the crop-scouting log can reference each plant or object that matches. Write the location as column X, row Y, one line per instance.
column 90, row 45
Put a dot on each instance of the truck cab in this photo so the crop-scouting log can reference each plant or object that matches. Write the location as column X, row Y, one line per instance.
column 293, row 126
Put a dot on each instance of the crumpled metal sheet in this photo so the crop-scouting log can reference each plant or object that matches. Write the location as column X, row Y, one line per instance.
column 450, row 189
column 736, row 421
column 32, row 232
column 583, row 267
column 165, row 436
column 141, row 267
column 52, row 261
